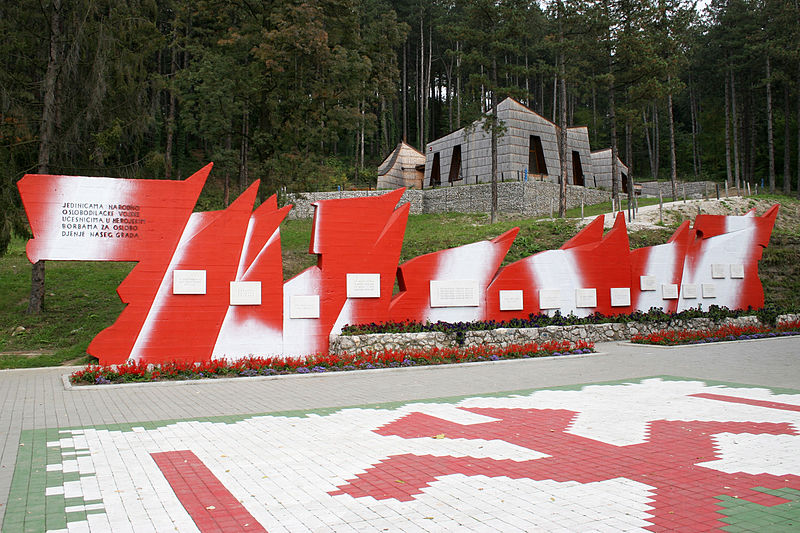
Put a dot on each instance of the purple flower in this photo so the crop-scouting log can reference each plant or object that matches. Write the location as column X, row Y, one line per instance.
column 302, row 370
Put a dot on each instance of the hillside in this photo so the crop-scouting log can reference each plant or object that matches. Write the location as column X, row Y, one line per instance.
column 82, row 300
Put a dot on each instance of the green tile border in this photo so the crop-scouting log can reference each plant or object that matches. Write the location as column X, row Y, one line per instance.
column 28, row 508
column 742, row 515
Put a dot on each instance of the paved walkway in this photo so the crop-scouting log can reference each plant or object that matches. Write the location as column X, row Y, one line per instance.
column 665, row 439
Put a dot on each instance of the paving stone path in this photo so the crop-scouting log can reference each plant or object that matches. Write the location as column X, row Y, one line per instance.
column 636, row 438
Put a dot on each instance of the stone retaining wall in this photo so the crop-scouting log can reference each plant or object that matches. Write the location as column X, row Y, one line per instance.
column 614, row 331
column 529, row 198
column 692, row 189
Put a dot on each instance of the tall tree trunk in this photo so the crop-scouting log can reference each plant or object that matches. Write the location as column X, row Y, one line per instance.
column 427, row 87
column 798, row 129
column 226, row 191
column 244, row 150
column 728, row 170
column 629, row 156
column 648, row 141
column 656, row 141
column 422, row 88
column 562, row 134
column 493, row 214
column 770, row 135
column 363, row 119
column 673, row 162
column 46, row 135
column 751, row 163
column 458, row 86
column 170, row 117
column 787, row 145
column 612, row 116
column 737, row 158
column 405, row 92
column 594, row 114
column 384, row 147
column 693, row 110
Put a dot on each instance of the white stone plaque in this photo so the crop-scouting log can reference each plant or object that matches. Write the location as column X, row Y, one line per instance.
column 304, row 306
column 549, row 298
column 585, row 297
column 245, row 293
column 454, row 293
column 188, row 282
column 620, row 296
column 718, row 271
column 669, row 291
column 709, row 290
column 511, row 301
column 363, row 285
column 648, row 283
column 737, row 271
column 689, row 290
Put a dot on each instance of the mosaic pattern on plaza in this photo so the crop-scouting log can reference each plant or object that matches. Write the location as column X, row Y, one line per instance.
column 652, row 454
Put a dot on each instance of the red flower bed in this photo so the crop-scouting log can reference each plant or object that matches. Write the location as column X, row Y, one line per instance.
column 724, row 333
column 267, row 366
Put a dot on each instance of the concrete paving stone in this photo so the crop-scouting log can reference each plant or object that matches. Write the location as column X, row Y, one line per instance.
column 578, row 447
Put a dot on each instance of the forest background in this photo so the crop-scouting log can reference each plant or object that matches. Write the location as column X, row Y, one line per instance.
column 313, row 94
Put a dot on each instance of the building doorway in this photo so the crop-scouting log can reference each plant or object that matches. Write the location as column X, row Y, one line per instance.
column 536, row 162
column 436, row 176
column 455, row 165
column 577, row 169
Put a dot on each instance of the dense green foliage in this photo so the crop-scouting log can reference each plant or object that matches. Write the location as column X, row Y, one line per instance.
column 312, row 94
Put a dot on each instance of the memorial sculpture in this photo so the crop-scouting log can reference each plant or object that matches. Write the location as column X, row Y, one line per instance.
column 209, row 285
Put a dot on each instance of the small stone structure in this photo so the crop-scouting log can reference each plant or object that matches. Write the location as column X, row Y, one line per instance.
column 404, row 167
column 613, row 331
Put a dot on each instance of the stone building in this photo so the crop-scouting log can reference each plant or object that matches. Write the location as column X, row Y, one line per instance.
column 527, row 147
column 601, row 162
column 404, row 167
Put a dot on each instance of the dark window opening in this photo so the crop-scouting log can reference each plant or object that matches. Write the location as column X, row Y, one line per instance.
column 436, row 176
column 455, row 164
column 536, row 163
column 624, row 179
column 577, row 169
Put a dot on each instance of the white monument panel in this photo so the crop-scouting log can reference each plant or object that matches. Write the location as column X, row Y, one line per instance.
column 304, row 306
column 648, row 283
column 689, row 290
column 245, row 292
column 549, row 298
column 620, row 296
column 363, row 285
column 454, row 293
column 709, row 290
column 189, row 282
column 511, row 300
column 585, row 297
column 718, row 271
column 737, row 271
column 669, row 291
